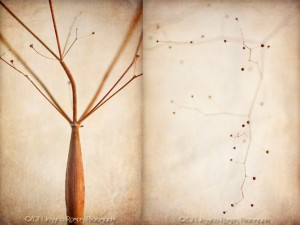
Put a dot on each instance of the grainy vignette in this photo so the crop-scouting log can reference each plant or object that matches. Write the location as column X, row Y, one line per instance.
column 186, row 171
column 35, row 139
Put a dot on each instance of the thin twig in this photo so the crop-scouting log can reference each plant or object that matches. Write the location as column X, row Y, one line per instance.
column 116, row 92
column 31, row 46
column 106, row 100
column 31, row 81
column 76, row 38
column 55, row 28
column 70, row 30
column 71, row 44
column 127, row 37
column 31, row 32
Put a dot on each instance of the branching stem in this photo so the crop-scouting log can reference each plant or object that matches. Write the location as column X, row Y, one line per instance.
column 34, row 75
column 128, row 35
column 66, row 69
column 84, row 116
column 89, row 110
column 30, row 31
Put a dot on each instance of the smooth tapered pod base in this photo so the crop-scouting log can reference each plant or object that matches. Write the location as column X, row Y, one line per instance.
column 75, row 180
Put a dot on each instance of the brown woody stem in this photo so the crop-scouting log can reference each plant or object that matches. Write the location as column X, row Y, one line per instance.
column 55, row 28
column 74, row 183
column 74, row 91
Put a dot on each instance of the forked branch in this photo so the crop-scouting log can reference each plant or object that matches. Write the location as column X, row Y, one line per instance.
column 120, row 89
column 76, row 38
column 127, row 37
column 27, row 28
column 89, row 110
column 34, row 75
column 39, row 90
column 84, row 116
column 66, row 69
column 101, row 103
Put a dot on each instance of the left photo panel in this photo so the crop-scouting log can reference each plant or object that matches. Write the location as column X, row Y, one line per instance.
column 70, row 112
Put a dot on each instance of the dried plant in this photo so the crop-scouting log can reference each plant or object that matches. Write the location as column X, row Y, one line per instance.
column 74, row 181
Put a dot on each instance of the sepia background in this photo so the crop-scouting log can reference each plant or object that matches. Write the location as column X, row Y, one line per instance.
column 194, row 93
column 35, row 138
column 159, row 152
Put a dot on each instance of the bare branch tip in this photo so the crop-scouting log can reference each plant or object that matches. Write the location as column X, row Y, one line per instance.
column 136, row 76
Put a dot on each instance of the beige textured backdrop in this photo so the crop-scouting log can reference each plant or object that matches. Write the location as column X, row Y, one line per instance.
column 164, row 168
column 188, row 175
column 35, row 139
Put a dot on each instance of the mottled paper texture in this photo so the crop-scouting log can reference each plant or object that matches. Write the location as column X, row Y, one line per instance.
column 174, row 146
column 35, row 138
column 198, row 81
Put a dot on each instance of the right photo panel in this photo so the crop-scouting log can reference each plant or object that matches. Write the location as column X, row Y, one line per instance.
column 221, row 112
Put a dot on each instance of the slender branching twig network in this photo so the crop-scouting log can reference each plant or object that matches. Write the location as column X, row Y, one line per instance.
column 245, row 131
